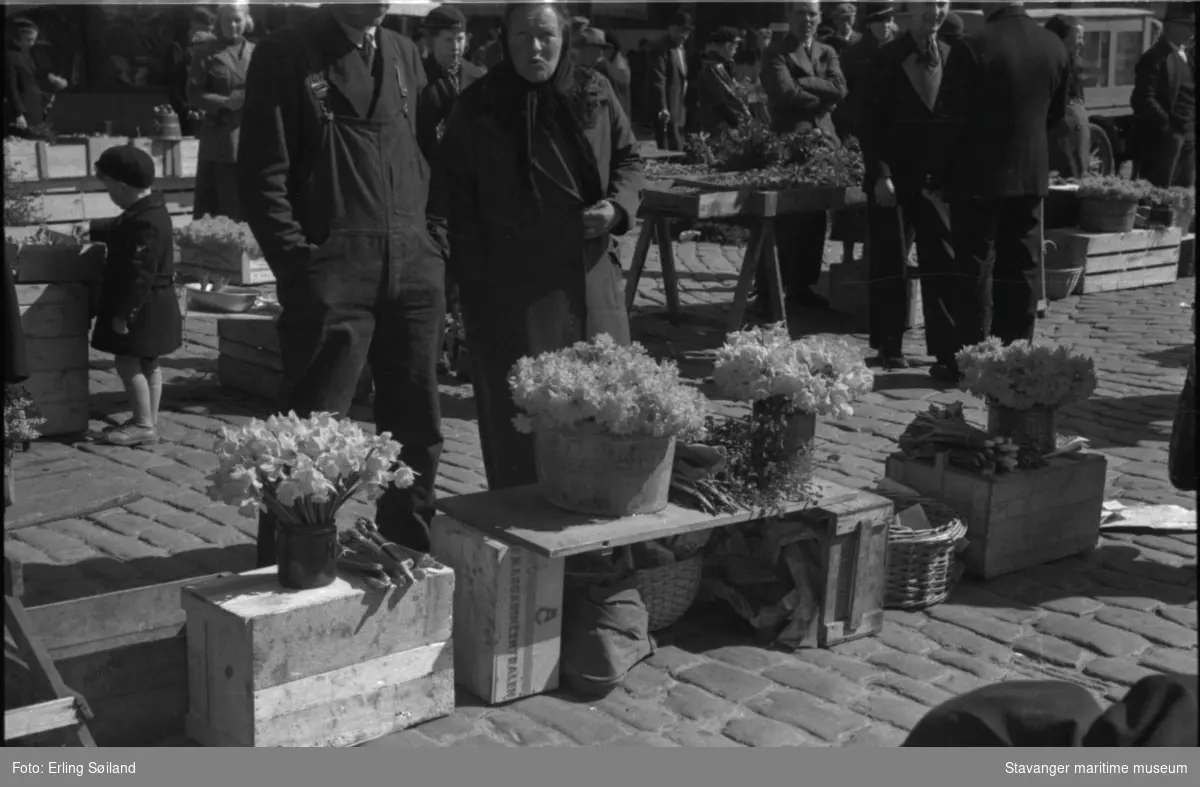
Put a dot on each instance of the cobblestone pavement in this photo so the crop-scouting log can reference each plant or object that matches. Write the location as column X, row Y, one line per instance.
column 1102, row 621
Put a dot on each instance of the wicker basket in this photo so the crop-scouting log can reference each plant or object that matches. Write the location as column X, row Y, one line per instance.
column 669, row 591
column 920, row 563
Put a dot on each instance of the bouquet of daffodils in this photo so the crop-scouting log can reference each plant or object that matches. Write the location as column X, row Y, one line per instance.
column 20, row 417
column 1026, row 375
column 817, row 375
column 303, row 469
column 600, row 384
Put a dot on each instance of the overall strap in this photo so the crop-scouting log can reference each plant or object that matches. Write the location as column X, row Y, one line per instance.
column 317, row 81
column 393, row 42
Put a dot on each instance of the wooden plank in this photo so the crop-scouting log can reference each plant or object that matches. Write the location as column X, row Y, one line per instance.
column 47, row 293
column 1129, row 280
column 91, row 183
column 507, row 613
column 1129, row 261
column 45, row 716
column 67, row 160
column 64, row 386
column 84, row 206
column 188, row 156
column 1089, row 244
column 256, row 356
column 24, row 233
column 248, row 378
column 521, row 516
column 297, row 635
column 22, row 154
column 84, row 626
column 254, row 330
column 57, row 264
column 51, row 355
column 54, row 320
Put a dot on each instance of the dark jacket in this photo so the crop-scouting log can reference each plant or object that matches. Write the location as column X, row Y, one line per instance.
column 437, row 101
column 282, row 126
column 668, row 82
column 1156, row 86
column 138, row 280
column 839, row 44
column 904, row 137
column 1009, row 90
column 24, row 92
column 620, row 76
column 217, row 71
column 802, row 91
column 855, row 61
column 718, row 107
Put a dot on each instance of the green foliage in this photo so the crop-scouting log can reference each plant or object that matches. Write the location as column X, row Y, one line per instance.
column 20, row 208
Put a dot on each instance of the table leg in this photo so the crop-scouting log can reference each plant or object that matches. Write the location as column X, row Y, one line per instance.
column 746, row 278
column 640, row 251
column 770, row 256
column 667, row 258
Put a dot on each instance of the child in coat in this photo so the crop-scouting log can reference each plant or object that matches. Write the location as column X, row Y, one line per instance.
column 138, row 318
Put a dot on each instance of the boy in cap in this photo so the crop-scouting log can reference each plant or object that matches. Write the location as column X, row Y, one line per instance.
column 719, row 106
column 841, row 32
column 138, row 318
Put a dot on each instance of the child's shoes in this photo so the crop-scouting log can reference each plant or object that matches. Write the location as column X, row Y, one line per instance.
column 131, row 435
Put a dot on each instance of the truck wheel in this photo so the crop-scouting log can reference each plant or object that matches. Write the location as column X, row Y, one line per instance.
column 1103, row 160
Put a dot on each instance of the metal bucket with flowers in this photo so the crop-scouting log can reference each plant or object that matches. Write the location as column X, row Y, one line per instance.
column 605, row 418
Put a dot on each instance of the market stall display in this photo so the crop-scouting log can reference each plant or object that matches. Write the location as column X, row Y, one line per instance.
column 216, row 250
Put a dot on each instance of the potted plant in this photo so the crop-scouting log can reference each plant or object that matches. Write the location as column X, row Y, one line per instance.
column 20, row 428
column 1024, row 385
column 302, row 470
column 1170, row 207
column 1109, row 204
column 53, row 256
column 788, row 383
column 220, row 247
column 605, row 418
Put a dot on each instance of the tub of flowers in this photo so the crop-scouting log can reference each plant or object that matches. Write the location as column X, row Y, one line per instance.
column 1028, row 495
column 302, row 471
column 216, row 250
column 605, row 418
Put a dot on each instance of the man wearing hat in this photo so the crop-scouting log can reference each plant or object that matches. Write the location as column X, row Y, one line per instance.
column 719, row 107
column 841, row 32
column 334, row 187
column 1008, row 90
column 855, row 60
column 445, row 30
column 669, row 82
column 953, row 29
column 1164, row 103
column 592, row 49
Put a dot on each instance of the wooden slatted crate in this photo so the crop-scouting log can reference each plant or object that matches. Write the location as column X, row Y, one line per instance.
column 41, row 264
column 240, row 269
column 332, row 666
column 55, row 320
column 1016, row 520
column 248, row 357
column 508, row 621
column 1116, row 261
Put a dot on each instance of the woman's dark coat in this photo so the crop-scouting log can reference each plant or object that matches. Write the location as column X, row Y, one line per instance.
column 138, row 282
column 529, row 281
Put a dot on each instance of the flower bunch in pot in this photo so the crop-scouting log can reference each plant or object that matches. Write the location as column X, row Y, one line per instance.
column 1169, row 207
column 605, row 419
column 302, row 471
column 788, row 382
column 21, row 423
column 1025, row 384
column 1109, row 203
column 221, row 237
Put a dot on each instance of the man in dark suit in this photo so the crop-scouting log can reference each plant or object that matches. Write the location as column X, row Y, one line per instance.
column 334, row 186
column 855, row 60
column 1164, row 103
column 669, row 83
column 803, row 83
column 905, row 138
column 1011, row 90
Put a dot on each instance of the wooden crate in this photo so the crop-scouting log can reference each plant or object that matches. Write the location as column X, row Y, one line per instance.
column 241, row 269
column 696, row 204
column 1116, row 261
column 332, row 666
column 1016, row 520
column 126, row 654
column 513, row 609
column 248, row 357
column 39, row 263
column 507, row 613
column 55, row 320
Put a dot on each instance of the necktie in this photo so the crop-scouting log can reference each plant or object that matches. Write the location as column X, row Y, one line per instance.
column 367, row 50
column 453, row 75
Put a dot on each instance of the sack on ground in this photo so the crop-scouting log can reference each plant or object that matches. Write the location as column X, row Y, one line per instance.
column 605, row 634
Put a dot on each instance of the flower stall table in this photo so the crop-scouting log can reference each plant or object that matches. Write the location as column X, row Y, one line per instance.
column 704, row 200
column 508, row 550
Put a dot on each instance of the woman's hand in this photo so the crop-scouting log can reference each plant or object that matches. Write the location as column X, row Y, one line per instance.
column 599, row 219
column 236, row 100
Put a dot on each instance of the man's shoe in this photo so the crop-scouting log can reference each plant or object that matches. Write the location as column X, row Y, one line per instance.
column 131, row 435
column 946, row 373
column 806, row 298
column 893, row 361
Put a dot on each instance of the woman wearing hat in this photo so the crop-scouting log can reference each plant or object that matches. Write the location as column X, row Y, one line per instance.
column 719, row 107
column 138, row 318
column 217, row 87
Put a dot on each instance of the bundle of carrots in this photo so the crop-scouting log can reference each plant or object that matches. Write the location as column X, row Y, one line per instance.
column 380, row 563
column 944, row 430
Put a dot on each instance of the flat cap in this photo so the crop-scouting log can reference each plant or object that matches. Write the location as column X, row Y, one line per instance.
column 878, row 12
column 444, row 17
column 127, row 164
column 725, row 35
column 953, row 25
column 842, row 10
column 682, row 20
column 592, row 36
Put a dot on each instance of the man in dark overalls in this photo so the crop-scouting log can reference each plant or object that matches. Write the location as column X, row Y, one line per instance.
column 334, row 188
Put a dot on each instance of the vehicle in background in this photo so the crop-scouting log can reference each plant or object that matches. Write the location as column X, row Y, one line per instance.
column 1114, row 39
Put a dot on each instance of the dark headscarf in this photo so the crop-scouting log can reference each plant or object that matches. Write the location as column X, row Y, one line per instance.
column 527, row 108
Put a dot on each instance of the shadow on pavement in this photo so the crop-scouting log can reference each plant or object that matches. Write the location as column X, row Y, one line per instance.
column 1126, row 421
column 1174, row 358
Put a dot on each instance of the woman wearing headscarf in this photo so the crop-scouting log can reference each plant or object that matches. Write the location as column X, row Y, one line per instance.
column 217, row 87
column 1071, row 138
column 545, row 172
